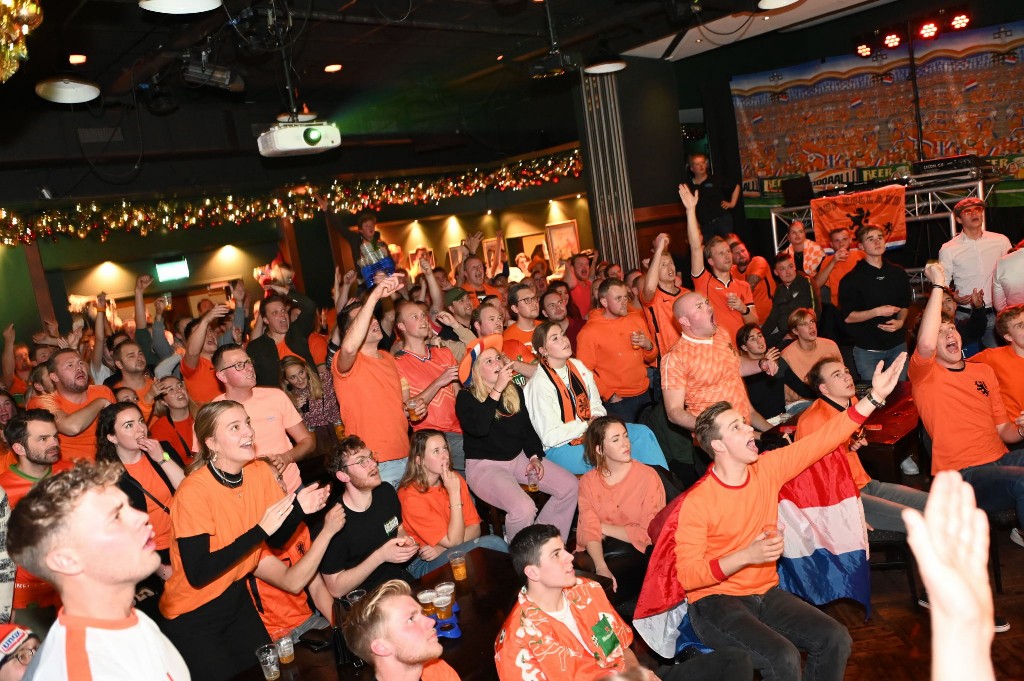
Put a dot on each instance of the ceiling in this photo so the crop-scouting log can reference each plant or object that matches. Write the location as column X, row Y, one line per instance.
column 421, row 84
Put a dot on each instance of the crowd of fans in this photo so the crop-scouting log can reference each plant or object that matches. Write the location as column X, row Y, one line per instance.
column 185, row 489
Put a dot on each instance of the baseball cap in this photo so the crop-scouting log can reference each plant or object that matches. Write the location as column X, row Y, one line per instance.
column 12, row 637
column 964, row 204
column 454, row 294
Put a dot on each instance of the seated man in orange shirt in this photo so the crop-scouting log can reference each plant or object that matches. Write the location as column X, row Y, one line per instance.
column 962, row 409
column 732, row 299
column 1008, row 361
column 524, row 306
column 388, row 629
column 74, row 403
column 755, row 271
column 614, row 345
column 590, row 640
column 727, row 542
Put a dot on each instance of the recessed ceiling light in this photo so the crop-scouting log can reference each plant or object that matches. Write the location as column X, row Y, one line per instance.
column 500, row 57
column 700, row 40
column 767, row 18
column 76, row 59
column 332, row 68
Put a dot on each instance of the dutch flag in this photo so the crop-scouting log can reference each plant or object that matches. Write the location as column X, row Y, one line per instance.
column 888, row 78
column 757, row 119
column 856, row 102
column 970, row 85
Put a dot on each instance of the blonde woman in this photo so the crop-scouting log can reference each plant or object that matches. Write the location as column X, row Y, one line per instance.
column 502, row 448
column 306, row 388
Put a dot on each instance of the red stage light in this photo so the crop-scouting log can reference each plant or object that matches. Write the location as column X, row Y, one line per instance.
column 892, row 40
column 864, row 50
column 959, row 21
column 928, row 30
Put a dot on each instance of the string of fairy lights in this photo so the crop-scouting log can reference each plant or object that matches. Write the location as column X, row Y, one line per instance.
column 146, row 217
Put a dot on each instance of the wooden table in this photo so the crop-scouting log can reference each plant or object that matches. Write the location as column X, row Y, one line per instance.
column 485, row 597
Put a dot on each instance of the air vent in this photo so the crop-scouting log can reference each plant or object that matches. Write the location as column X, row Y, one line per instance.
column 99, row 135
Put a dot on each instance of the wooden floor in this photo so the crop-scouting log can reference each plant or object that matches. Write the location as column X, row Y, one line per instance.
column 895, row 643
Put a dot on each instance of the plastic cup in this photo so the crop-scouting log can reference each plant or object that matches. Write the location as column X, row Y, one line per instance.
column 532, row 480
column 445, row 589
column 285, row 647
column 355, row 596
column 457, row 559
column 771, row 530
column 443, row 605
column 269, row 661
column 426, row 599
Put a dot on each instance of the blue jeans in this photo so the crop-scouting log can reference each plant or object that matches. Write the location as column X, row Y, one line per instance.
column 458, row 452
column 628, row 408
column 884, row 503
column 866, row 360
column 773, row 628
column 391, row 472
column 645, row 449
column 420, row 567
column 999, row 485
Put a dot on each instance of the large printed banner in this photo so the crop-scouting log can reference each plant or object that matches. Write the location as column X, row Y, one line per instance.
column 883, row 208
column 851, row 119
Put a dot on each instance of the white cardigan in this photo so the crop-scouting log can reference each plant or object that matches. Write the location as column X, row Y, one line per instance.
column 543, row 404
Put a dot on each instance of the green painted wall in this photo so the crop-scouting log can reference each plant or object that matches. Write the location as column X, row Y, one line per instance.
column 19, row 304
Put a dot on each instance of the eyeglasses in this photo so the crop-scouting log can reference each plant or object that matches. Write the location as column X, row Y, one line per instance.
column 25, row 655
column 530, row 299
column 363, row 461
column 239, row 366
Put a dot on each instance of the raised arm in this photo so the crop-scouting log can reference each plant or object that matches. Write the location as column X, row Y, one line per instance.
column 693, row 235
column 99, row 333
column 931, row 318
column 197, row 339
column 651, row 276
column 142, row 282
column 355, row 335
column 433, row 288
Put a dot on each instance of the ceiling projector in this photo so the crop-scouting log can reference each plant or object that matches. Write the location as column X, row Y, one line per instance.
column 299, row 139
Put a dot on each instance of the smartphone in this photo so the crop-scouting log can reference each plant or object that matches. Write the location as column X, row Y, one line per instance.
column 316, row 639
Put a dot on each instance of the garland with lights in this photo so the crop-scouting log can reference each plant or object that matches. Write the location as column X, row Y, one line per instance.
column 146, row 217
column 17, row 19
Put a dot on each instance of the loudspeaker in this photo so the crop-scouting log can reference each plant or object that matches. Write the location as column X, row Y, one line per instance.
column 797, row 191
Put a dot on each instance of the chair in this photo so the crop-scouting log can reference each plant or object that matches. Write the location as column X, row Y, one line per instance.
column 898, row 556
column 998, row 521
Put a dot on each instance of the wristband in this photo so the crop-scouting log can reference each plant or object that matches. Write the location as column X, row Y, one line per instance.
column 871, row 398
column 456, row 506
column 166, row 458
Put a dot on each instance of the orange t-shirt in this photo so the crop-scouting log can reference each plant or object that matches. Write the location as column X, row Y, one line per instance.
column 813, row 418
column 764, row 290
column 201, row 382
column 960, row 410
column 631, row 503
column 716, row 519
column 284, row 351
column 801, row 361
column 202, row 505
column 178, row 434
column 29, row 590
column 142, row 472
column 717, row 291
column 282, row 611
column 661, row 320
column 604, row 346
column 525, row 338
column 83, row 445
column 271, row 413
column 438, row 670
column 708, row 369
column 425, row 515
column 146, row 409
column 318, row 348
column 371, row 405
column 487, row 292
column 841, row 270
column 17, row 388
column 583, row 295
column 1009, row 369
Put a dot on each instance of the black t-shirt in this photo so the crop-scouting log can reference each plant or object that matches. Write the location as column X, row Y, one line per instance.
column 365, row 532
column 712, row 191
column 866, row 287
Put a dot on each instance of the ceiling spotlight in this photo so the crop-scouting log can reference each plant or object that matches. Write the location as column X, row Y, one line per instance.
column 76, row 59
column 767, row 18
column 928, row 30
column 67, row 90
column 332, row 68
column 863, row 50
column 775, row 4
column 499, row 57
column 892, row 40
column 959, row 21
column 179, row 6
column 603, row 60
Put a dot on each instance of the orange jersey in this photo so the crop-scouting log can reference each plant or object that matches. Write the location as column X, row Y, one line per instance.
column 1009, row 369
column 143, row 473
column 425, row 515
column 479, row 294
column 418, row 373
column 201, row 382
column 717, row 291
column 145, row 408
column 708, row 369
column 282, row 611
column 763, row 290
column 438, row 670
column 716, row 519
column 525, row 338
column 83, row 445
column 661, row 320
column 178, row 434
column 960, row 410
column 841, row 269
column 370, row 400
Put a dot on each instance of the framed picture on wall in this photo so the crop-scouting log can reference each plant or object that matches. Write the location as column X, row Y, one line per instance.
column 536, row 245
column 491, row 256
column 563, row 241
column 454, row 257
column 414, row 260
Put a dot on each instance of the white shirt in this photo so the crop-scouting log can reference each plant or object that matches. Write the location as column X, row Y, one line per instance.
column 971, row 263
column 544, row 405
column 1008, row 283
column 133, row 648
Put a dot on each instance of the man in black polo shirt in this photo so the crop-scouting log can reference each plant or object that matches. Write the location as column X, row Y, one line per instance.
column 373, row 547
column 716, row 196
column 873, row 300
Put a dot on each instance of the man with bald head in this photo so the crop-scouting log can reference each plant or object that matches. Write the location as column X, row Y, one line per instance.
column 704, row 367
